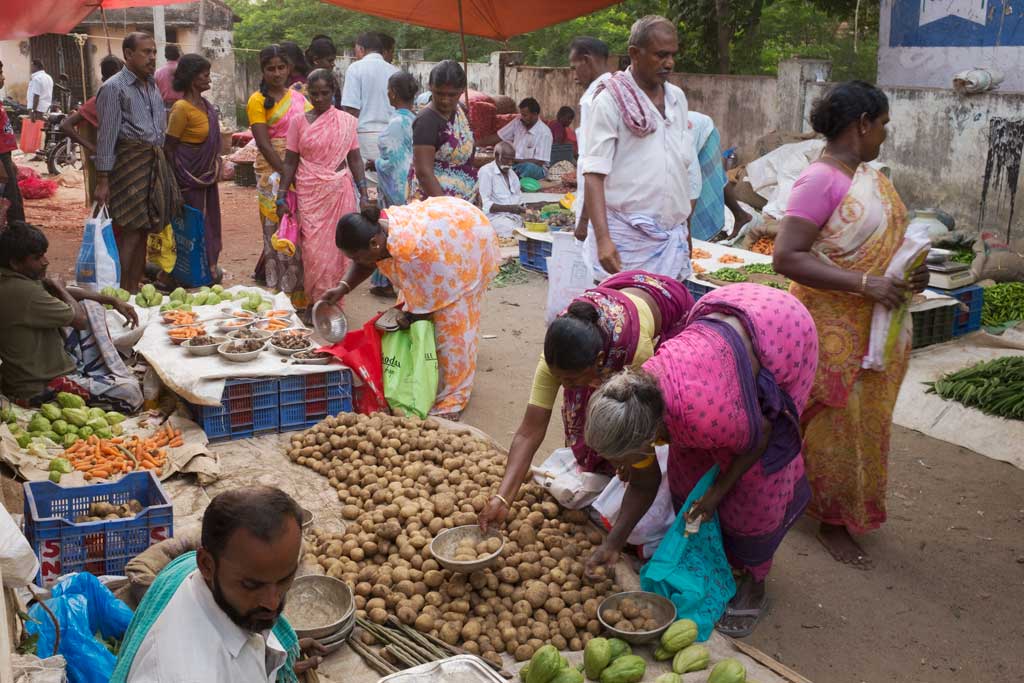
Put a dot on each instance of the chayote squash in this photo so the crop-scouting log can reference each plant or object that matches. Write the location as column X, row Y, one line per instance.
column 524, row 672
column 620, row 648
column 679, row 635
column 568, row 676
column 544, row 665
column 67, row 400
column 596, row 657
column 75, row 416
column 39, row 423
column 728, row 671
column 96, row 424
column 662, row 655
column 95, row 413
column 51, row 411
column 669, row 678
column 691, row 658
column 59, row 426
column 113, row 417
column 69, row 440
column 625, row 669
column 85, row 432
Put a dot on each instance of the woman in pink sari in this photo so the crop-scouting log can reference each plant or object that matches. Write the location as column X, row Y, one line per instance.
column 322, row 159
column 727, row 391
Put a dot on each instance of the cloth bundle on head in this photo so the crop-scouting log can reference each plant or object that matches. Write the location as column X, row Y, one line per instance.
column 632, row 104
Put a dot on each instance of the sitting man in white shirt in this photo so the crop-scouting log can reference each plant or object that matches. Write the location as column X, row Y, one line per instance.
column 215, row 615
column 531, row 142
column 500, row 193
column 640, row 169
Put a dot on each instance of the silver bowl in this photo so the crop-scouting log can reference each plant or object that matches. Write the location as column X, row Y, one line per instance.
column 239, row 357
column 288, row 352
column 307, row 519
column 261, row 334
column 444, row 544
column 326, row 360
column 334, row 641
column 235, row 324
column 330, row 321
column 664, row 613
column 319, row 606
column 206, row 349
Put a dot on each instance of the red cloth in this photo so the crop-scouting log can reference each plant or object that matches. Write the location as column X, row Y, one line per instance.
column 360, row 351
column 557, row 133
column 88, row 112
column 32, row 186
column 8, row 141
column 482, row 118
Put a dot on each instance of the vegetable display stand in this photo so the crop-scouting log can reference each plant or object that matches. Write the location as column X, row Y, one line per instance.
column 101, row 548
column 933, row 326
column 307, row 399
column 534, row 251
column 248, row 408
column 968, row 317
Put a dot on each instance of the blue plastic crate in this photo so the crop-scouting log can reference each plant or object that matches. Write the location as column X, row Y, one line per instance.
column 101, row 548
column 307, row 399
column 968, row 318
column 533, row 254
column 698, row 289
column 248, row 408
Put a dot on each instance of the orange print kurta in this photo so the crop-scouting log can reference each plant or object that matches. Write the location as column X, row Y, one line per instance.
column 444, row 253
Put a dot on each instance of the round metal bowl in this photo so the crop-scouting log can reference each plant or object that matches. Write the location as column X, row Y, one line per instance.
column 178, row 341
column 325, row 360
column 319, row 606
column 234, row 324
column 330, row 321
column 261, row 334
column 264, row 325
column 444, row 544
column 206, row 349
column 288, row 352
column 334, row 641
column 664, row 614
column 307, row 519
column 239, row 357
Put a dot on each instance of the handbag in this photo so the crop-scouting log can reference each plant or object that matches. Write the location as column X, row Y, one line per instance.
column 191, row 266
column 98, row 264
column 160, row 249
column 692, row 570
column 410, row 369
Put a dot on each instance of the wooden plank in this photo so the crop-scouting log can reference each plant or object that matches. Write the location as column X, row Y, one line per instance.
column 769, row 662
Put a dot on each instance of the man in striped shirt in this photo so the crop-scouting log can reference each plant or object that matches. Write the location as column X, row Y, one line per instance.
column 130, row 158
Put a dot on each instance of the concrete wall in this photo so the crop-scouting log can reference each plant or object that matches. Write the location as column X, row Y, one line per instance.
column 923, row 43
column 939, row 147
column 15, row 57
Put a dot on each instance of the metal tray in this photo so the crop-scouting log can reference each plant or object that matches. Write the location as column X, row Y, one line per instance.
column 457, row 669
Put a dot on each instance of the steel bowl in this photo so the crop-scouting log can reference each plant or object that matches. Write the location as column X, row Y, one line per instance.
column 307, row 519
column 319, row 606
column 334, row 641
column 330, row 321
column 234, row 324
column 239, row 357
column 288, row 352
column 444, row 544
column 206, row 349
column 264, row 325
column 261, row 334
column 664, row 614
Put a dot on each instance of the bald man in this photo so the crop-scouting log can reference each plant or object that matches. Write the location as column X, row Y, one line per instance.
column 500, row 194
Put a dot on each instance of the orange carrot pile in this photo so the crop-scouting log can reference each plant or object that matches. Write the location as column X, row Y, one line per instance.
column 104, row 458
column 180, row 317
column 699, row 253
column 729, row 258
column 275, row 324
column 180, row 334
column 765, row 245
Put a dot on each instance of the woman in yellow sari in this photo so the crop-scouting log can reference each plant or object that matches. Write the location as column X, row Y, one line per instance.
column 271, row 110
column 843, row 224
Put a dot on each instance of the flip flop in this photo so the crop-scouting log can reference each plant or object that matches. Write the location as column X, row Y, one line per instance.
column 753, row 614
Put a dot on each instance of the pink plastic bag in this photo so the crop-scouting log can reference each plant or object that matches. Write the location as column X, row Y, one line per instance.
column 286, row 239
column 31, row 135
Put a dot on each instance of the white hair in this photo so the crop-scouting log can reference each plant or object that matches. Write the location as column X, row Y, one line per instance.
column 624, row 415
column 645, row 27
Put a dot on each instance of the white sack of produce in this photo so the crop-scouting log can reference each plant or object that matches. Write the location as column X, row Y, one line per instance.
column 653, row 526
column 18, row 563
column 566, row 482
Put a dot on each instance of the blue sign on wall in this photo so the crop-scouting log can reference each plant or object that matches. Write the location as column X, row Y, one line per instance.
column 957, row 23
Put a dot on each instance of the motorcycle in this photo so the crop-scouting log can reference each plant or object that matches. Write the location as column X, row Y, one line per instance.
column 61, row 151
column 15, row 110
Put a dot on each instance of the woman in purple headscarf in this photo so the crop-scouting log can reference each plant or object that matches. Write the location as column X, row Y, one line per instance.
column 616, row 325
column 192, row 147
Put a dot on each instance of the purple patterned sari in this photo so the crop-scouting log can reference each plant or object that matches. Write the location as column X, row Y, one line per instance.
column 197, row 169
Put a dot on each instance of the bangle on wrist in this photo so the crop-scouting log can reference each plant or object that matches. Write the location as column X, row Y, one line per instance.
column 503, row 499
column 348, row 287
column 863, row 283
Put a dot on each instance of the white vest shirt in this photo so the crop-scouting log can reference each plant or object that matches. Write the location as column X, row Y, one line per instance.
column 366, row 89
column 529, row 143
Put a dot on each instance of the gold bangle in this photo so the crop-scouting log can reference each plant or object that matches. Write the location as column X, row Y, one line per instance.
column 503, row 500
column 863, row 283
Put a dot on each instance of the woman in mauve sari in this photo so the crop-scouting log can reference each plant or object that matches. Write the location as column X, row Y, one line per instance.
column 192, row 146
column 322, row 159
column 443, row 144
column 271, row 110
column 843, row 225
column 726, row 392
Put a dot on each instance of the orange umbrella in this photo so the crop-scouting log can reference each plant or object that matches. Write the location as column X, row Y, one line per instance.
column 495, row 19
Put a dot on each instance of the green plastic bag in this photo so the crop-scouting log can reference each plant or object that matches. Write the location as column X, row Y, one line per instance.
column 410, row 369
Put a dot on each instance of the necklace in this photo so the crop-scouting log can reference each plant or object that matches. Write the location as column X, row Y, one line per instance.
column 840, row 162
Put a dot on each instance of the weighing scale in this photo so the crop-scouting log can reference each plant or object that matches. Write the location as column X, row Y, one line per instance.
column 946, row 274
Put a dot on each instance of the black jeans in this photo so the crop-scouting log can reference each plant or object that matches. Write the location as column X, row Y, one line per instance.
column 16, row 211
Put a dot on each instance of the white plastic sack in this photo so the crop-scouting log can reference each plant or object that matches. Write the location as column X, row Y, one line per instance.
column 653, row 526
column 98, row 264
column 32, row 669
column 568, row 274
column 17, row 561
column 887, row 325
column 566, row 482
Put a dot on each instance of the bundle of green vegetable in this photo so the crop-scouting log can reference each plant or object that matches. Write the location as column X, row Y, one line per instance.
column 1003, row 303
column 728, row 275
column 763, row 268
column 995, row 387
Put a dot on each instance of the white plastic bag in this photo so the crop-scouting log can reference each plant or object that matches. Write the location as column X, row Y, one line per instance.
column 98, row 264
column 653, row 526
column 568, row 274
column 18, row 563
column 563, row 479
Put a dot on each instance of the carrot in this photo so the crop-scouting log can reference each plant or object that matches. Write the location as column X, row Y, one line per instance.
column 99, row 473
column 175, row 442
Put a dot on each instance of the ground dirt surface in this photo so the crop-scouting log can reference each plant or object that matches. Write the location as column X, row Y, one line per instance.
column 942, row 604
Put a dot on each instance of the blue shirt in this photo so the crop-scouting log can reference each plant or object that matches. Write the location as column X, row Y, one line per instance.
column 395, row 158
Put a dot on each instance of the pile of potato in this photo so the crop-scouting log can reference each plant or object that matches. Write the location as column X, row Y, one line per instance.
column 101, row 511
column 401, row 481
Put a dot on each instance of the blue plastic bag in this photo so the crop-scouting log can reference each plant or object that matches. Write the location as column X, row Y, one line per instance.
column 692, row 571
column 83, row 607
column 98, row 264
column 192, row 268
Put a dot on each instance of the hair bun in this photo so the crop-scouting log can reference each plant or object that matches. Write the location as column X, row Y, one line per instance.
column 371, row 213
column 581, row 310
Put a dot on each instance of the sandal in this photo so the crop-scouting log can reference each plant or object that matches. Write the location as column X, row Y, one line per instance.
column 754, row 616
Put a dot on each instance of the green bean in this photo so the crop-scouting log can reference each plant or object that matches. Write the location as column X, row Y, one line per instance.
column 1003, row 303
column 994, row 387
column 728, row 275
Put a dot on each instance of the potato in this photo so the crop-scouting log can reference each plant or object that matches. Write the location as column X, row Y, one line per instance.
column 378, row 615
column 611, row 616
column 523, row 653
column 630, row 608
column 624, row 625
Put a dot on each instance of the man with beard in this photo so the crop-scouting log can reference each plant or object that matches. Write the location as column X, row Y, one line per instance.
column 215, row 615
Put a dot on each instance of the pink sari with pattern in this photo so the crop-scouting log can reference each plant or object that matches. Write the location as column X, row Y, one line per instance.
column 323, row 185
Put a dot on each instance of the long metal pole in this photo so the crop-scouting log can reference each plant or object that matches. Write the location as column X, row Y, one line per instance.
column 160, row 34
column 465, row 54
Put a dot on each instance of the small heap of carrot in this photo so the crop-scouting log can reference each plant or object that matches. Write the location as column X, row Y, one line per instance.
column 180, row 317
column 275, row 324
column 104, row 458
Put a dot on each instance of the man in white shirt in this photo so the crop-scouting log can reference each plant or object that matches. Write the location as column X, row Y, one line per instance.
column 365, row 94
column 532, row 142
column 40, row 91
column 500, row 193
column 638, row 162
column 588, row 58
column 218, row 617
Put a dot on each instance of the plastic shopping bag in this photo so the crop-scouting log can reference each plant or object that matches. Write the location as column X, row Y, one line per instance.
column 160, row 249
column 84, row 607
column 692, row 571
column 573, row 488
column 191, row 266
column 651, row 528
column 18, row 563
column 410, row 369
column 360, row 350
column 31, row 135
column 98, row 263
column 568, row 274
column 286, row 238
